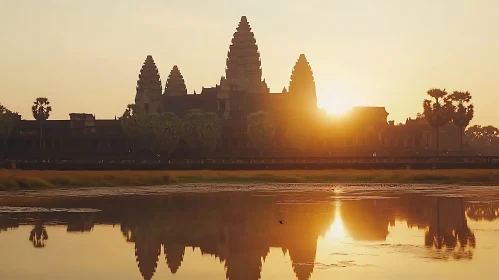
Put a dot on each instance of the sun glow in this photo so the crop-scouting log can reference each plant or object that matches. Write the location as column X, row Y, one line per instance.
column 337, row 230
column 337, row 104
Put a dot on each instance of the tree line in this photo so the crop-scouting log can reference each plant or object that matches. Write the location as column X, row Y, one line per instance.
column 40, row 109
column 443, row 108
column 201, row 131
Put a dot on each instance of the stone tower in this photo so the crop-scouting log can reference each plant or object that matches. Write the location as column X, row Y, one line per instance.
column 148, row 96
column 244, row 70
column 301, row 90
column 175, row 84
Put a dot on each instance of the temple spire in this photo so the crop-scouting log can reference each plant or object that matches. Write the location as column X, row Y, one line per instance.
column 175, row 84
column 302, row 84
column 148, row 90
column 243, row 70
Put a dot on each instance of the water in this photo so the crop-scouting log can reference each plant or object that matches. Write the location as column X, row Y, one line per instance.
column 254, row 232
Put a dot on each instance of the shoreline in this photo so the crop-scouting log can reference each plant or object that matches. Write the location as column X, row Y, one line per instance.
column 33, row 180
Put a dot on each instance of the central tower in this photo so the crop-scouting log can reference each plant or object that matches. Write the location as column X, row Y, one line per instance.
column 244, row 70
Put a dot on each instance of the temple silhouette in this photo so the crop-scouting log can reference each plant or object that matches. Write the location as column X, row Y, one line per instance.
column 241, row 91
column 239, row 229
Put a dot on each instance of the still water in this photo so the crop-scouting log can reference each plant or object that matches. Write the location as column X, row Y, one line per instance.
column 279, row 232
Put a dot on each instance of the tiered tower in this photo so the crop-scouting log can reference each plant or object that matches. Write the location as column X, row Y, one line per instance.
column 148, row 96
column 302, row 85
column 175, row 84
column 244, row 70
column 174, row 255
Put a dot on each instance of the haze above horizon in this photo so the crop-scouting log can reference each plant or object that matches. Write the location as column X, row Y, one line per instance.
column 86, row 56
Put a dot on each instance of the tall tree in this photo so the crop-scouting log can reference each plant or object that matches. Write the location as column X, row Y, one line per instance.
column 167, row 129
column 192, row 124
column 202, row 130
column 437, row 111
column 210, row 131
column 132, row 123
column 7, row 120
column 462, row 113
column 41, row 112
column 261, row 131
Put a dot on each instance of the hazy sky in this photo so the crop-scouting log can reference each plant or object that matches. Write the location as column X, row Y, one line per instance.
column 85, row 56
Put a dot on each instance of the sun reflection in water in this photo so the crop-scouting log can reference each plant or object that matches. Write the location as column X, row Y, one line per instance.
column 337, row 230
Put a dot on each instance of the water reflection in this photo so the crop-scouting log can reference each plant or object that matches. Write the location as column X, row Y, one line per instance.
column 38, row 235
column 239, row 229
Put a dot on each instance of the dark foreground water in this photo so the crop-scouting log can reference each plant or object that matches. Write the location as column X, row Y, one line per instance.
column 257, row 232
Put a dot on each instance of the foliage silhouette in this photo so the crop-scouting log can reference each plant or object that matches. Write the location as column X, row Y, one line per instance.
column 167, row 129
column 7, row 121
column 41, row 112
column 462, row 112
column 261, row 131
column 201, row 130
column 132, row 123
column 437, row 111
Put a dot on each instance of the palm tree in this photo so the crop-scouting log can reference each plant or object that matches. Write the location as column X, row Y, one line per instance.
column 201, row 130
column 167, row 129
column 462, row 113
column 261, row 130
column 437, row 110
column 131, row 122
column 210, row 131
column 41, row 112
column 192, row 124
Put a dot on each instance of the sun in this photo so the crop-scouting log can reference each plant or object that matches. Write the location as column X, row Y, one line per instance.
column 337, row 104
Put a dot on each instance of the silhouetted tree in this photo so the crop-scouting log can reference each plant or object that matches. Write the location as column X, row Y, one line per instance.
column 167, row 129
column 462, row 112
column 41, row 112
column 210, row 131
column 261, row 131
column 7, row 120
column 202, row 130
column 132, row 123
column 437, row 110
column 483, row 138
column 192, row 124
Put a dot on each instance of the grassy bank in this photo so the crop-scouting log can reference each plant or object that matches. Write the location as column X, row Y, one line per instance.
column 19, row 179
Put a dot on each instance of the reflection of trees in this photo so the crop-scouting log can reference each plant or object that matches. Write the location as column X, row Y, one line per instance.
column 458, row 243
column 81, row 222
column 38, row 235
column 6, row 223
column 479, row 212
column 448, row 233
column 239, row 228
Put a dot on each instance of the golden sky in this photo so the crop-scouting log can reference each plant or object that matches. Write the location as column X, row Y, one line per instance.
column 85, row 56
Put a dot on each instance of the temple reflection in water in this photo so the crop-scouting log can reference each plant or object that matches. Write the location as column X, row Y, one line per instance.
column 239, row 229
